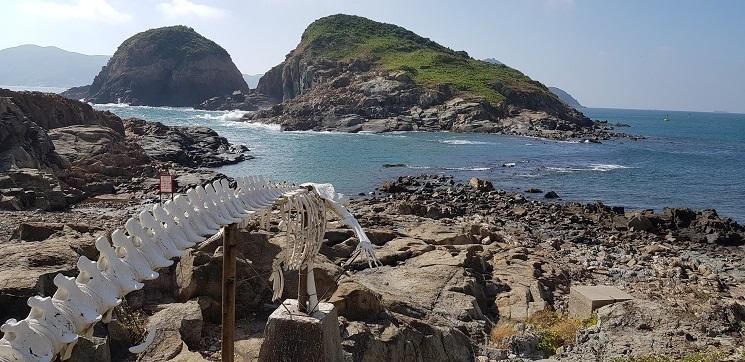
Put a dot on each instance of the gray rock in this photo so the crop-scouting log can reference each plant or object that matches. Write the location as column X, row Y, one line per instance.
column 176, row 326
column 91, row 349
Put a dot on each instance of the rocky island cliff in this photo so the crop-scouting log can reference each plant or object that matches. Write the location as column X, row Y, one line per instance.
column 170, row 66
column 353, row 74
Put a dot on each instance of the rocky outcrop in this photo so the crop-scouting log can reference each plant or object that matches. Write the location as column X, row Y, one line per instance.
column 23, row 143
column 170, row 66
column 367, row 90
column 50, row 111
column 189, row 146
column 56, row 152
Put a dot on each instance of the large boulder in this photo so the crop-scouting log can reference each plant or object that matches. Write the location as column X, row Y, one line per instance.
column 177, row 326
column 169, row 66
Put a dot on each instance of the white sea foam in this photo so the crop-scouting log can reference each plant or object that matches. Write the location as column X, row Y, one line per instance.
column 419, row 167
column 255, row 125
column 228, row 116
column 464, row 142
column 601, row 167
column 126, row 105
column 110, row 105
column 607, row 167
column 467, row 168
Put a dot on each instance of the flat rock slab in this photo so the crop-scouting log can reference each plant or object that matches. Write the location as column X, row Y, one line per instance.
column 583, row 300
column 291, row 335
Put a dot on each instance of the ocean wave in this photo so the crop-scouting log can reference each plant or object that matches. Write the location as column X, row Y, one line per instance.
column 464, row 142
column 109, row 105
column 467, row 168
column 607, row 167
column 415, row 167
column 126, row 105
column 229, row 116
column 601, row 167
column 254, row 125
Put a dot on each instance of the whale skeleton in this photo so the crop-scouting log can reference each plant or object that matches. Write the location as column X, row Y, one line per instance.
column 156, row 236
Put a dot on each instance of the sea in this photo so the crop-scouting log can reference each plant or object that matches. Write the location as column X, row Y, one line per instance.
column 694, row 160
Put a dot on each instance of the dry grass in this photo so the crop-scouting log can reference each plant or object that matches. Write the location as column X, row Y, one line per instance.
column 557, row 330
column 501, row 331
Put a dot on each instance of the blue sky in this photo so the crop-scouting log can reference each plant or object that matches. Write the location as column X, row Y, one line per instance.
column 686, row 55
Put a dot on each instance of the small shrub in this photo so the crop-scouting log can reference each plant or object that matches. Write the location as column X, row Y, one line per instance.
column 558, row 330
column 133, row 320
column 590, row 322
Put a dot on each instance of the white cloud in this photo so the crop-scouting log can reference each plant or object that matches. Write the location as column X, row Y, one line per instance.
column 90, row 10
column 182, row 8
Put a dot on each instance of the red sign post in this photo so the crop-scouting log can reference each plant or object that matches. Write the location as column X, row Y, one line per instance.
column 166, row 183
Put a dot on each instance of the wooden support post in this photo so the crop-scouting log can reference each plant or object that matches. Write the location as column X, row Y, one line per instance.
column 302, row 290
column 228, row 291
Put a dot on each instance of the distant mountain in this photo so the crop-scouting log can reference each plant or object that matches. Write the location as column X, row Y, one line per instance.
column 252, row 80
column 566, row 97
column 493, row 61
column 37, row 66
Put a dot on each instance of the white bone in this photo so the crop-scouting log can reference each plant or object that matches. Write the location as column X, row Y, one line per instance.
column 185, row 206
column 176, row 232
column 183, row 223
column 208, row 223
column 149, row 338
column 156, row 231
column 78, row 307
column 52, row 323
column 97, row 286
column 133, row 256
column 152, row 252
column 115, row 269
column 29, row 343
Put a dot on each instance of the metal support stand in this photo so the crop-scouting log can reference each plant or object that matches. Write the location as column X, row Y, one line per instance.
column 228, row 292
column 302, row 290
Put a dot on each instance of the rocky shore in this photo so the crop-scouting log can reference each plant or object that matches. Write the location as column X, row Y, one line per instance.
column 56, row 152
column 351, row 100
column 469, row 273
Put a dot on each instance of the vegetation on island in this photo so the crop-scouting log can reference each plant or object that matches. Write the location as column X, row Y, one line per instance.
column 346, row 37
column 179, row 42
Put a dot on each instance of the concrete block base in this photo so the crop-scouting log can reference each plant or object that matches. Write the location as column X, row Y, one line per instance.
column 294, row 336
column 583, row 300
